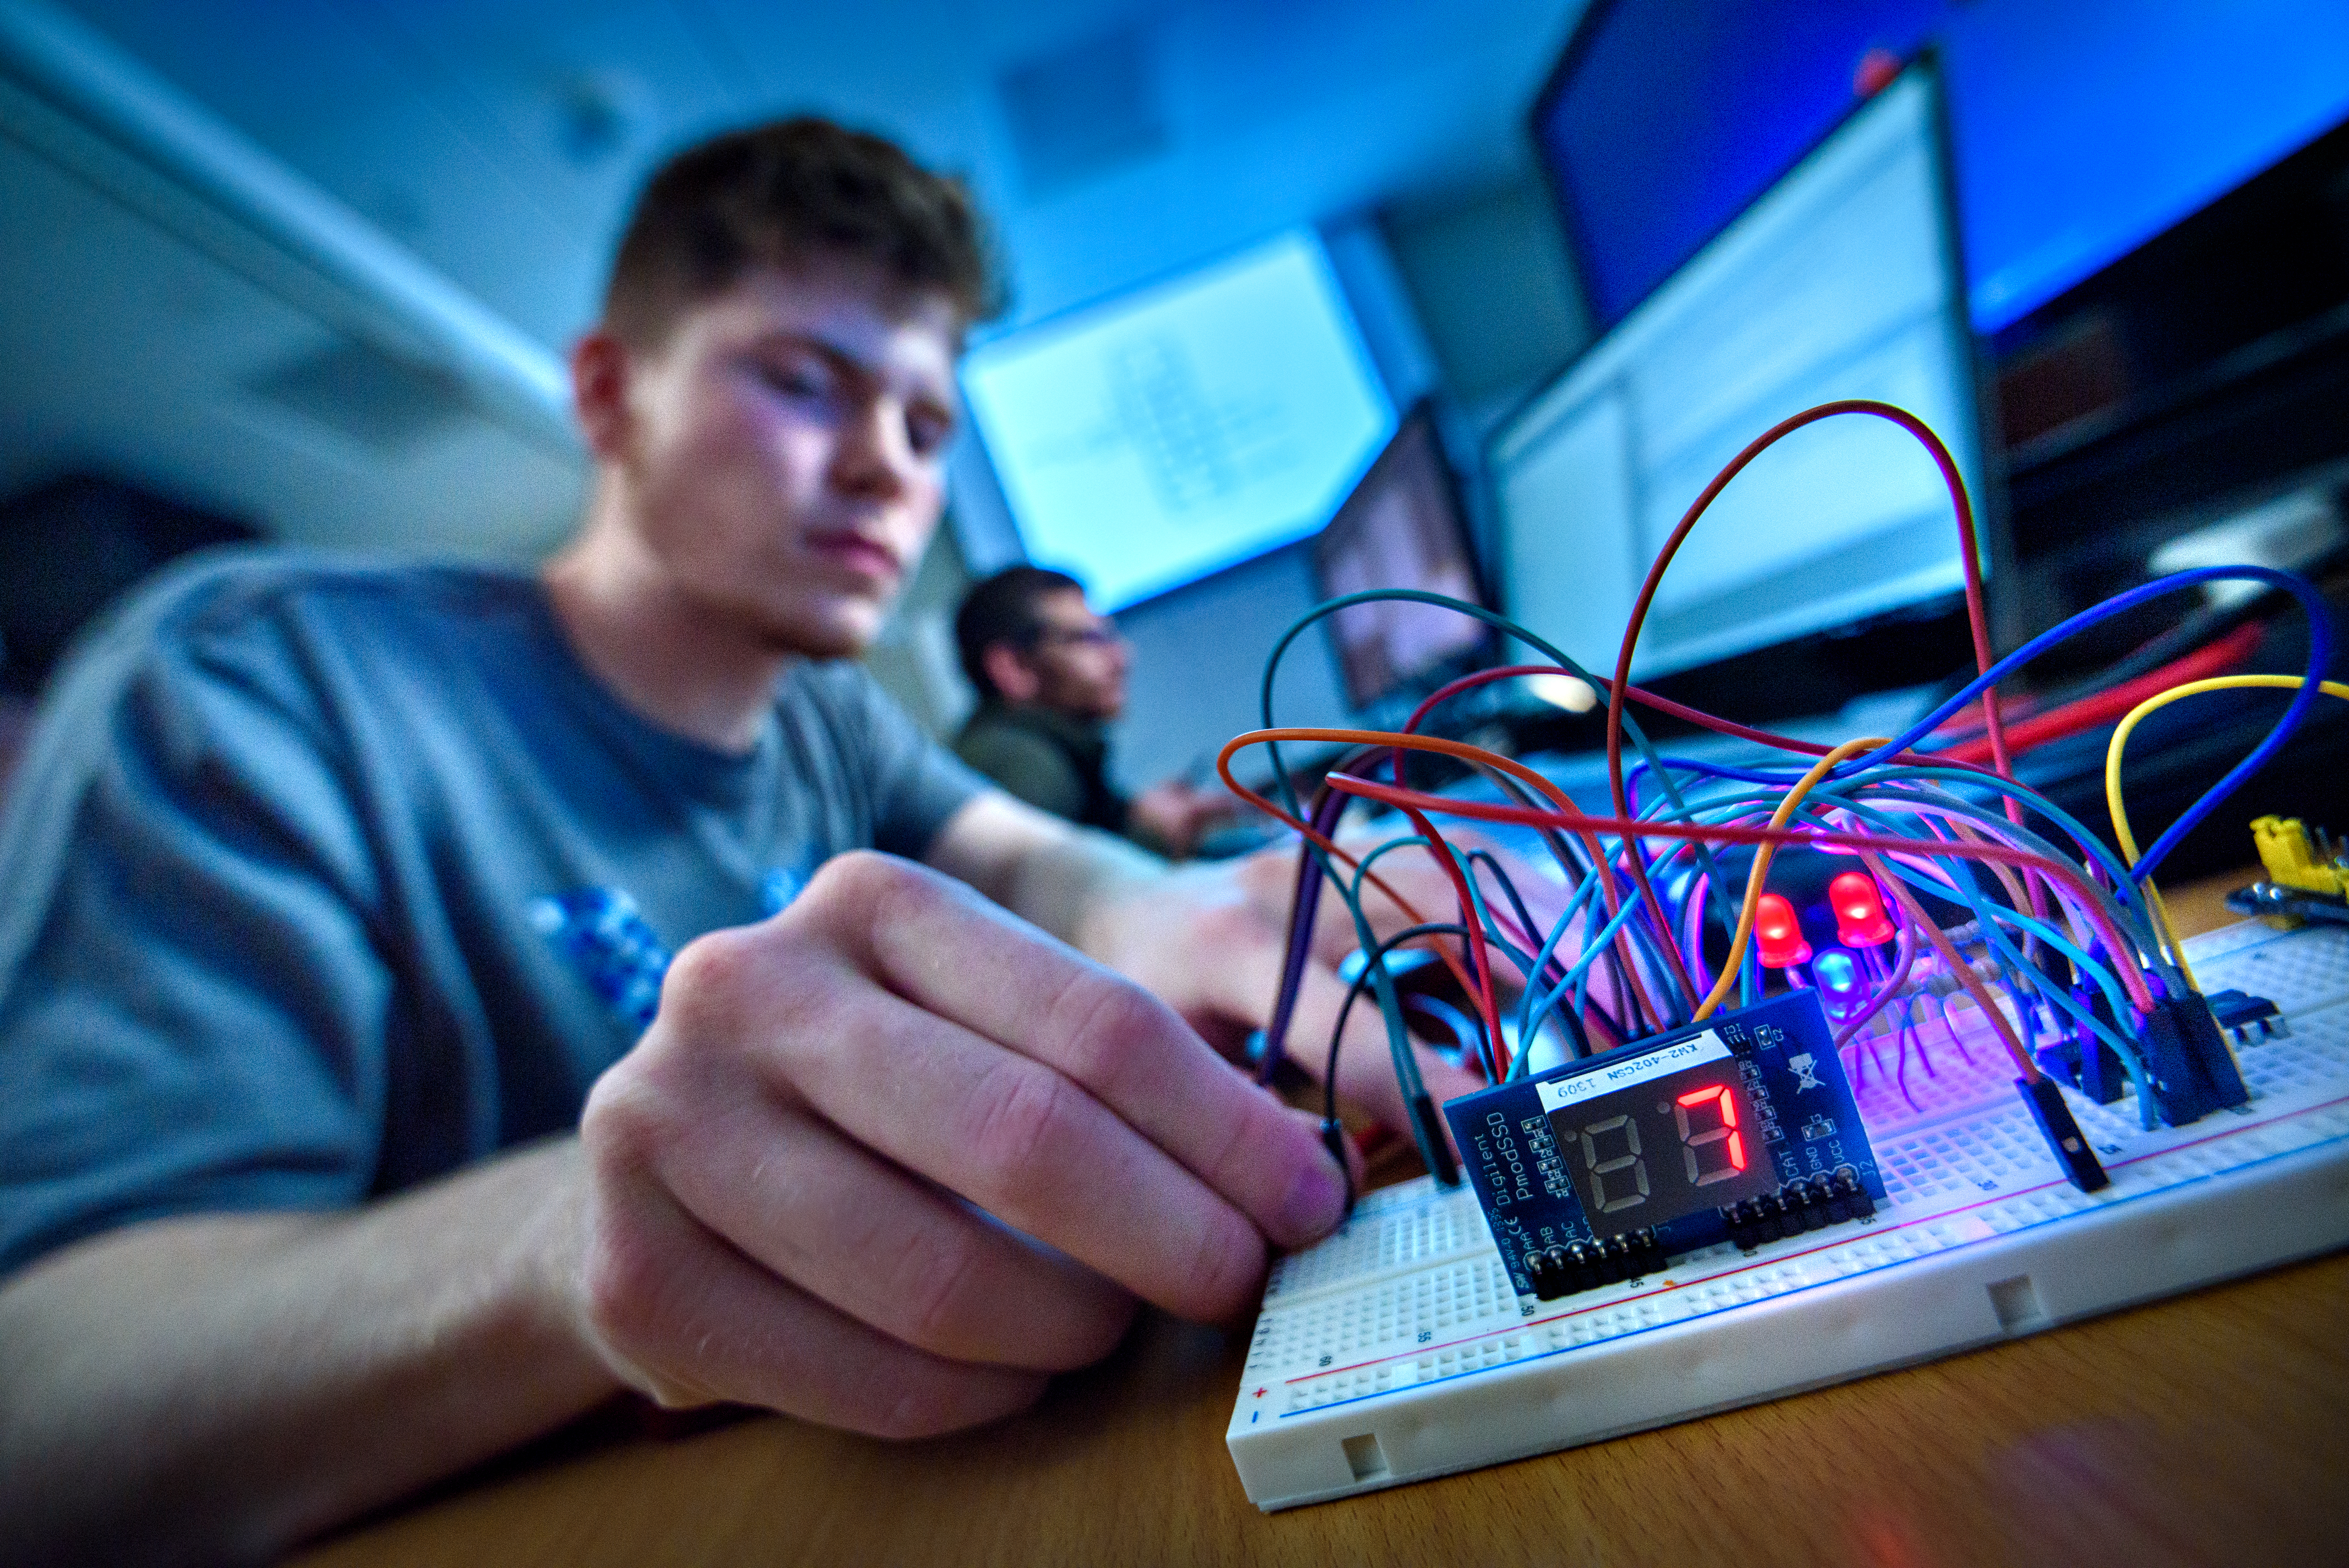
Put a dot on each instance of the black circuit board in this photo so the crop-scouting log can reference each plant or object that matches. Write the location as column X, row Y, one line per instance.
column 1654, row 1119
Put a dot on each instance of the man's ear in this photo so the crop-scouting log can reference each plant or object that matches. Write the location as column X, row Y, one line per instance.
column 600, row 369
column 1012, row 674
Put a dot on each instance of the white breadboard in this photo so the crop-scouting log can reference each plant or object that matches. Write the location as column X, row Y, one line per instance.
column 1396, row 1350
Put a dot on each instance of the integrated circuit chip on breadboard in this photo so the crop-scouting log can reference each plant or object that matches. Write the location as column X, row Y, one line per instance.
column 1408, row 1346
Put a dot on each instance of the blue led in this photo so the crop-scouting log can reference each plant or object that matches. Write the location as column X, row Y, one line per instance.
column 1837, row 974
column 1839, row 983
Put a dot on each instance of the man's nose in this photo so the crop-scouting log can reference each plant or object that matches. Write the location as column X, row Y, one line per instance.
column 873, row 457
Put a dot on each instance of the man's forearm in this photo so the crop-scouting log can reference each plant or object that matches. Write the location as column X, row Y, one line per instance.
column 1051, row 873
column 284, row 1373
column 1075, row 888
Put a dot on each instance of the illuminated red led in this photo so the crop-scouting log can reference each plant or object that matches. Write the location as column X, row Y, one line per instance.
column 1858, row 905
column 1780, row 934
column 1736, row 1151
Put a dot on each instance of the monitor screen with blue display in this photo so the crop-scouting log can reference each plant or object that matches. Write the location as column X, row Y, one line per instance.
column 2081, row 130
column 1403, row 527
column 1841, row 281
column 1165, row 435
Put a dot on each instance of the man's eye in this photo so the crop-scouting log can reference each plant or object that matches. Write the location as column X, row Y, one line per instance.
column 797, row 380
column 927, row 435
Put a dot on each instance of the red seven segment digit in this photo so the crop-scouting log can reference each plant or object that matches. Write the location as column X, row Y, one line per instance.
column 1726, row 1106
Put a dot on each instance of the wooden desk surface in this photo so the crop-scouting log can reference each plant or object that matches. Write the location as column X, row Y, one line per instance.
column 2208, row 1429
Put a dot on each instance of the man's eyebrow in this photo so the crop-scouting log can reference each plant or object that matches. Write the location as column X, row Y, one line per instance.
column 779, row 339
column 946, row 400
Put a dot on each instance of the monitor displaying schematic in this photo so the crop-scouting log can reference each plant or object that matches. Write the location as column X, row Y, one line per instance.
column 1841, row 281
column 1402, row 527
column 1163, row 436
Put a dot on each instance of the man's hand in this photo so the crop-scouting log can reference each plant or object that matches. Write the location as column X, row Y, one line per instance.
column 1211, row 940
column 887, row 1160
column 1176, row 813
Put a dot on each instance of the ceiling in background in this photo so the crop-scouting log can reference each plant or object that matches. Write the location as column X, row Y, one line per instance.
column 498, row 141
column 132, row 353
column 500, row 138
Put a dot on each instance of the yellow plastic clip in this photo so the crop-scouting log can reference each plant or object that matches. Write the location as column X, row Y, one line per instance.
column 2293, row 860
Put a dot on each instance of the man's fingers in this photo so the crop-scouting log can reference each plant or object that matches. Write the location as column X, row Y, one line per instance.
column 690, row 1320
column 1422, row 882
column 1127, row 1052
column 1248, row 981
column 886, row 1250
column 1244, row 984
column 1414, row 875
column 1031, row 1145
column 1366, row 1074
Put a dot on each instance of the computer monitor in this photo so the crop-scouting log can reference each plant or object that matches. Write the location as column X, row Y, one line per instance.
column 1841, row 281
column 1183, row 427
column 1402, row 527
column 2081, row 130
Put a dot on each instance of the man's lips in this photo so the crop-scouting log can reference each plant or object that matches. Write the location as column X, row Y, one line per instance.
column 867, row 557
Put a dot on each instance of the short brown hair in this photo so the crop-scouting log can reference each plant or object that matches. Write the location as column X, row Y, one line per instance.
column 784, row 193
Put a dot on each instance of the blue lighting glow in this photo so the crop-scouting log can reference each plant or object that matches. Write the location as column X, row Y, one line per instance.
column 2081, row 130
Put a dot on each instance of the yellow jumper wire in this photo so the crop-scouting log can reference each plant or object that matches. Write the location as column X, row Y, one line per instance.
column 2113, row 779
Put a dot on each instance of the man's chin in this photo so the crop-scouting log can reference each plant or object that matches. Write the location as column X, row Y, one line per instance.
column 827, row 631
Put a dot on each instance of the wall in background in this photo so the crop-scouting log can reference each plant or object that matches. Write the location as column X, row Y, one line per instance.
column 185, row 311
column 913, row 658
column 977, row 513
column 1198, row 665
column 1493, row 291
column 1383, row 308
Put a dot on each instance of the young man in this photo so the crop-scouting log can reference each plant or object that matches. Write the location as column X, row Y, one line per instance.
column 336, row 894
column 1050, row 676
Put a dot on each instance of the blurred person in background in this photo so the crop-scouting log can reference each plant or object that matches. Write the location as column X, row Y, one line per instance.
column 1050, row 676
